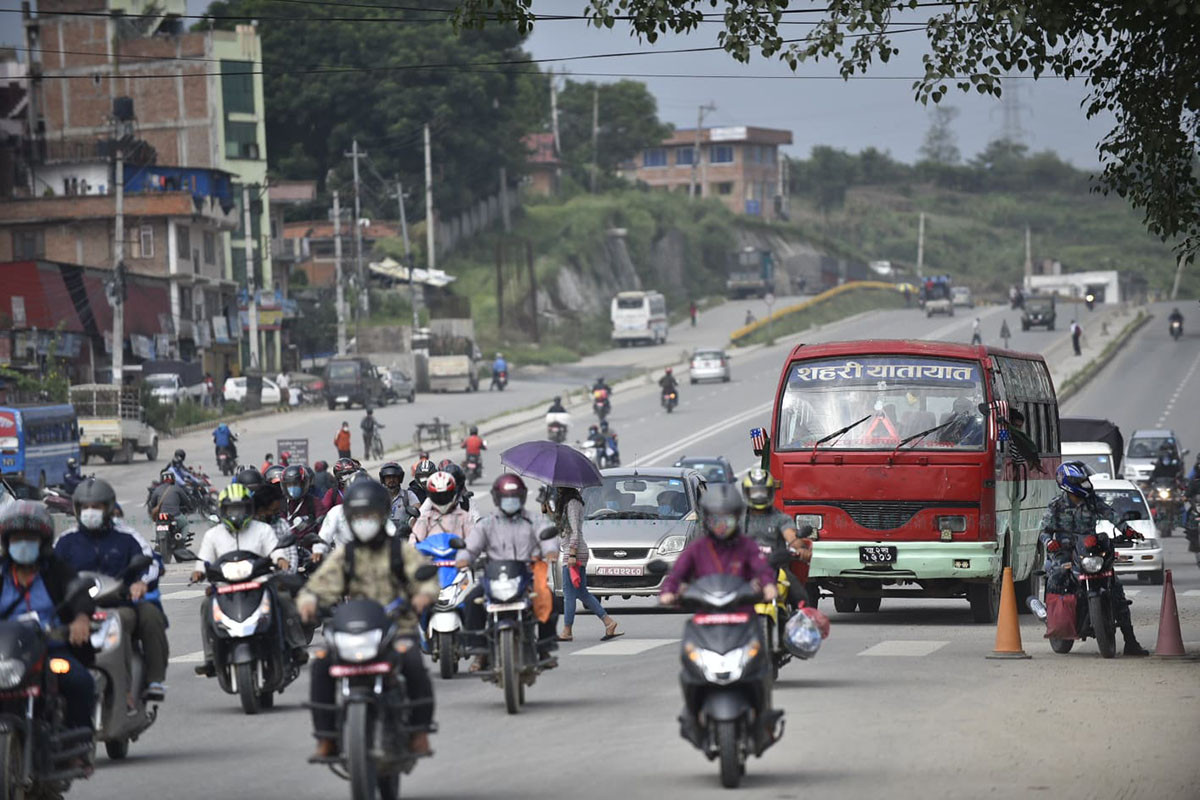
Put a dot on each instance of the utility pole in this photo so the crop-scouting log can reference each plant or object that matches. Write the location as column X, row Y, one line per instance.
column 364, row 297
column 532, row 289
column 251, row 288
column 504, row 200
column 1028, row 253
column 554, row 128
column 921, row 246
column 1178, row 278
column 500, row 286
column 337, row 269
column 697, row 158
column 408, row 261
column 595, row 133
column 118, row 334
column 430, row 221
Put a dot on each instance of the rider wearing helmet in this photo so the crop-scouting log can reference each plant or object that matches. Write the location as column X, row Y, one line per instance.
column 223, row 441
column 499, row 365
column 372, row 566
column 1075, row 513
column 405, row 505
column 343, row 470
column 249, row 477
column 274, row 474
column 667, row 382
column 421, row 473
column 183, row 476
column 474, row 444
column 323, row 481
column 335, row 531
column 285, row 458
column 297, row 489
column 444, row 513
column 33, row 578
column 775, row 531
column 72, row 477
column 98, row 544
column 167, row 498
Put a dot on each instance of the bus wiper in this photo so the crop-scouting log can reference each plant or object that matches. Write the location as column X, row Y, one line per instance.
column 921, row 435
column 813, row 458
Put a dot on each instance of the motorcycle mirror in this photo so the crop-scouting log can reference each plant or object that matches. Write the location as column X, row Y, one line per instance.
column 79, row 587
column 426, row 572
column 547, row 533
column 184, row 554
column 457, row 543
column 286, row 540
column 658, row 567
column 984, row 409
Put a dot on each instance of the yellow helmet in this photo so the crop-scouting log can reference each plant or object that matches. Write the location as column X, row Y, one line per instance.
column 236, row 506
column 759, row 488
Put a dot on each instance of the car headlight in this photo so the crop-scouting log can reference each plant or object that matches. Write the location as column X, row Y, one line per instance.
column 357, row 646
column 12, row 670
column 237, row 570
column 722, row 668
column 504, row 589
column 672, row 545
column 1092, row 563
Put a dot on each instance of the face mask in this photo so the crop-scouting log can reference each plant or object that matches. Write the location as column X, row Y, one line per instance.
column 91, row 518
column 25, row 551
column 294, row 492
column 365, row 528
column 510, row 505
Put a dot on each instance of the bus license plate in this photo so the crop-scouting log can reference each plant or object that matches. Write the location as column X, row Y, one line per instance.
column 877, row 555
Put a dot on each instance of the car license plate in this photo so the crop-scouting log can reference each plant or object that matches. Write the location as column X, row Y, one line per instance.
column 875, row 554
column 635, row 572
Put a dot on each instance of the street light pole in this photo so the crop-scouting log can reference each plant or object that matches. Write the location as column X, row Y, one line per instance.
column 251, row 288
column 118, row 332
column 408, row 261
column 696, row 158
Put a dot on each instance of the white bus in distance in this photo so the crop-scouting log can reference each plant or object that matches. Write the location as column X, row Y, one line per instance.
column 639, row 317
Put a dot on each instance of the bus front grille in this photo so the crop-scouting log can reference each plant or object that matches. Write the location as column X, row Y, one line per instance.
column 880, row 515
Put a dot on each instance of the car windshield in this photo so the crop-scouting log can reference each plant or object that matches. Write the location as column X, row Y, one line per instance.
column 160, row 380
column 713, row 471
column 637, row 497
column 343, row 371
column 894, row 397
column 1147, row 446
column 1036, row 304
column 1126, row 502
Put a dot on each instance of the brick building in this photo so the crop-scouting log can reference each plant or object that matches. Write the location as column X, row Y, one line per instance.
column 740, row 165
column 312, row 246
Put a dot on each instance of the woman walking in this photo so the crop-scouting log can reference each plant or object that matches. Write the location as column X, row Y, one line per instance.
column 568, row 515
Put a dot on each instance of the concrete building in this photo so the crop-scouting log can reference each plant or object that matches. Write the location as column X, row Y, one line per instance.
column 740, row 165
column 1105, row 285
column 312, row 246
column 197, row 100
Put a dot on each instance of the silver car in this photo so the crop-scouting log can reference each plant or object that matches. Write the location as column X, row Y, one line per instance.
column 637, row 516
column 710, row 364
column 1143, row 452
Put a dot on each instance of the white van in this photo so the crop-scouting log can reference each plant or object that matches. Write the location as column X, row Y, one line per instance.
column 1097, row 455
column 639, row 317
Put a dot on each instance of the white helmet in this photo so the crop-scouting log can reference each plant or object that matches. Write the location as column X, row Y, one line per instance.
column 443, row 491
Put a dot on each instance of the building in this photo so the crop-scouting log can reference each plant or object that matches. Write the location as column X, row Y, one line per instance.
column 740, row 165
column 1105, row 285
column 311, row 244
column 197, row 101
column 542, row 164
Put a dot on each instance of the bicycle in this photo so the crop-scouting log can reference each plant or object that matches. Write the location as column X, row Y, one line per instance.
column 376, row 449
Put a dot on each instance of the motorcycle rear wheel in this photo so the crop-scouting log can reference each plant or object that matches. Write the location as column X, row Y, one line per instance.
column 509, row 677
column 247, row 691
column 727, row 745
column 446, row 657
column 11, row 756
column 1105, row 633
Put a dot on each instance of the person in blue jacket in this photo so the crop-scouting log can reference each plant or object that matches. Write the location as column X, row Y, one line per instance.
column 223, row 440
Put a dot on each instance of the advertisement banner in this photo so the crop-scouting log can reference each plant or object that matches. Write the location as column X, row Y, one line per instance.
column 296, row 448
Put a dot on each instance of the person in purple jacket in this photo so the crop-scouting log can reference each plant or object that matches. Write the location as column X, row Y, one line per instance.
column 724, row 550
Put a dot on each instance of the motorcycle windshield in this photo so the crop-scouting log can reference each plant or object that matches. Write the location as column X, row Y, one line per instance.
column 443, row 556
column 721, row 632
column 239, row 605
column 22, row 641
column 500, row 578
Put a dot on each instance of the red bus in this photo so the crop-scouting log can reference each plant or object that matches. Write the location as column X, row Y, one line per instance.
column 899, row 455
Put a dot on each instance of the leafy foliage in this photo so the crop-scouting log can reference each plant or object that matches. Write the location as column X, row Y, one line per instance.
column 628, row 122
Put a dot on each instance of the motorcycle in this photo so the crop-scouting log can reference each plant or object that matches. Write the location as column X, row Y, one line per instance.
column 594, row 451
column 556, row 426
column 58, row 500
column 226, row 460
column 1166, row 505
column 500, row 379
column 120, row 675
column 1090, row 300
column 601, row 406
column 38, row 753
column 249, row 646
column 612, row 456
column 473, row 467
column 670, row 399
column 170, row 535
column 442, row 626
column 726, row 675
column 773, row 616
column 372, row 704
column 1176, row 329
column 1092, row 581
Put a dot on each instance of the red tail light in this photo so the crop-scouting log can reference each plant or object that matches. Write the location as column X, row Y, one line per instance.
column 1090, row 541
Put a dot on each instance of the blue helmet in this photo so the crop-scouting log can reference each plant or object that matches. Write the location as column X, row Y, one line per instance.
column 1072, row 478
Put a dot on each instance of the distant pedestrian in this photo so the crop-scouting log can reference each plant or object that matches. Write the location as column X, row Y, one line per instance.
column 342, row 441
column 1076, row 335
column 1005, row 333
column 210, row 390
column 976, row 333
column 750, row 319
column 568, row 515
column 693, row 312
column 268, row 460
column 907, row 297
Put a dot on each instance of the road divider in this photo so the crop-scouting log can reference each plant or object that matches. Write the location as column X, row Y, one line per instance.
column 849, row 298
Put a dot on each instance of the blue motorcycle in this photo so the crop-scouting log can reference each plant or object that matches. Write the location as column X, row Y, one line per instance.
column 442, row 625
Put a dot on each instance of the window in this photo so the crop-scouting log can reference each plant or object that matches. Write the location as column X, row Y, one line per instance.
column 183, row 242
column 654, row 157
column 241, row 140
column 28, row 244
column 143, row 242
column 237, row 86
column 722, row 154
column 725, row 187
column 210, row 247
column 684, row 156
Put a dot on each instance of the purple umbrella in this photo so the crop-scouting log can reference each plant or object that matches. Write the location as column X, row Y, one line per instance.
column 552, row 463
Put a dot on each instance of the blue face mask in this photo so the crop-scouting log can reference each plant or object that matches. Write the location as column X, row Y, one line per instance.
column 25, row 551
column 294, row 492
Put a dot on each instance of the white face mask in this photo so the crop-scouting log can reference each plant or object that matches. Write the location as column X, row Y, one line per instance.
column 365, row 528
column 91, row 518
column 510, row 505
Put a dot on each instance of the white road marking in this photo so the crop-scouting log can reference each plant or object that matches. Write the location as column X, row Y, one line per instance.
column 1192, row 593
column 903, row 647
column 623, row 647
column 1128, row 592
column 186, row 594
column 1178, row 390
column 189, row 658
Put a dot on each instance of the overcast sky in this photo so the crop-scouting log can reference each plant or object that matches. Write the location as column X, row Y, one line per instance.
column 877, row 112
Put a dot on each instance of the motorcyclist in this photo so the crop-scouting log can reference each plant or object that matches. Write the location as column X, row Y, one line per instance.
column 285, row 458
column 376, row 567
column 323, row 481
column 268, row 508
column 667, row 382
column 1075, row 513
column 1167, row 465
column 72, row 477
column 444, row 514
column 369, row 425
column 183, row 476
column 238, row 530
column 343, row 469
column 167, row 498
column 507, row 535
column 404, row 503
column 335, row 531
column 98, row 544
column 421, row 473
column 474, row 445
column 602, row 392
column 34, row 578
column 498, row 366
column 557, row 407
column 596, row 439
column 249, row 477
column 612, row 449
column 1176, row 316
column 771, row 527
column 223, row 441
column 299, row 499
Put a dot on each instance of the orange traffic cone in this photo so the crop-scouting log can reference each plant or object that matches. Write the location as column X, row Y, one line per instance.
column 1170, row 637
column 1008, row 632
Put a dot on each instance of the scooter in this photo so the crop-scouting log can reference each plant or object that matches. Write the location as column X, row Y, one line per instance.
column 170, row 535
column 443, row 625
column 58, row 500
column 1092, row 580
column 226, row 461
column 726, row 675
column 556, row 426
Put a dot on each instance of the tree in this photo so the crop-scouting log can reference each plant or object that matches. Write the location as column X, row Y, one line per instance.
column 1139, row 61
column 628, row 117
column 940, row 145
column 831, row 172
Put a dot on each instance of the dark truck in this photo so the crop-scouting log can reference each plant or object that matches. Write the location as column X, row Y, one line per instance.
column 751, row 272
column 351, row 381
column 1039, row 311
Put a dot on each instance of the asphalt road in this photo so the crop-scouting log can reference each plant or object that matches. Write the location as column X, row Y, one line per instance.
column 900, row 702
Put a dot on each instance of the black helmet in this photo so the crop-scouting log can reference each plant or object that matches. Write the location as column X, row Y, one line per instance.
column 27, row 516
column 295, row 475
column 721, row 508
column 474, row 430
column 367, row 504
column 460, row 476
column 180, row 456
column 94, row 490
column 424, row 469
column 274, row 473
column 249, row 477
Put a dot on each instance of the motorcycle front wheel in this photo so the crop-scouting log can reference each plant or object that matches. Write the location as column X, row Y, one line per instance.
column 247, row 691
column 357, row 743
column 446, row 658
column 727, row 745
column 1102, row 627
column 509, row 676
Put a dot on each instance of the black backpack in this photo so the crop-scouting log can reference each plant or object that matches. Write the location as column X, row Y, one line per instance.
column 397, row 562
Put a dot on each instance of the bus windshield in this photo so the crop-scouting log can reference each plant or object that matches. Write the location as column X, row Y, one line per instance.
column 890, row 397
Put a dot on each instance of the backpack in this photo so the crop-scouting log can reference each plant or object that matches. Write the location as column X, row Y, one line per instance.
column 397, row 562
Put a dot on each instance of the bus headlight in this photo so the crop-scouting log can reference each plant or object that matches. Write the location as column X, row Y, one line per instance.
column 815, row 521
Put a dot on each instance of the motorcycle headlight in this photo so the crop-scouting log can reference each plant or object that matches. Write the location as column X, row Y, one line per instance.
column 108, row 635
column 1164, row 493
column 237, row 570
column 672, row 545
column 722, row 668
column 357, row 646
column 504, row 589
column 12, row 670
column 1092, row 563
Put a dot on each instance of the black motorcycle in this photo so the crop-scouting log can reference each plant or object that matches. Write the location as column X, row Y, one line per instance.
column 251, row 655
column 473, row 467
column 170, row 535
column 226, row 460
column 1176, row 329
column 1092, row 581
column 1166, row 498
column 39, row 754
column 601, row 405
column 670, row 399
column 373, row 708
column 726, row 675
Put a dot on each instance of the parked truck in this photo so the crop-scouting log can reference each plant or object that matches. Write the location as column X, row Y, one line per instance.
column 751, row 272
column 112, row 423
column 171, row 381
column 453, row 356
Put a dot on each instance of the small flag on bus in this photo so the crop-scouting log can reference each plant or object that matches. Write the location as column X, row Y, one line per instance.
column 758, row 439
